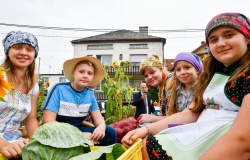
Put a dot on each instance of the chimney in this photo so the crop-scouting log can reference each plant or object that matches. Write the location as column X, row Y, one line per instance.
column 144, row 30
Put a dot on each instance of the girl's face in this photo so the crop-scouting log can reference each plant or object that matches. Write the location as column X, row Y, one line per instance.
column 83, row 75
column 153, row 76
column 21, row 55
column 186, row 73
column 227, row 45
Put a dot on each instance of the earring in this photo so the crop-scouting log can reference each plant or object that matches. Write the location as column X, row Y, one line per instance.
column 163, row 75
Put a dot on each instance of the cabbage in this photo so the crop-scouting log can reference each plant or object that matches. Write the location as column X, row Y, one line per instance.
column 62, row 141
column 35, row 150
column 61, row 135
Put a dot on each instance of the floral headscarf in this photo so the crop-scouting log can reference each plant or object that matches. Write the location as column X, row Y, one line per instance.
column 234, row 20
column 152, row 61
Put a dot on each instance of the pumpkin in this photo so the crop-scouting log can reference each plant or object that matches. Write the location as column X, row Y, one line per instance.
column 155, row 103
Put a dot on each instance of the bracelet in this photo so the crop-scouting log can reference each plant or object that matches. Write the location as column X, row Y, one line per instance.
column 148, row 129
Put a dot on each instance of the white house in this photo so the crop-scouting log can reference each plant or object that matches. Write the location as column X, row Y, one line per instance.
column 120, row 45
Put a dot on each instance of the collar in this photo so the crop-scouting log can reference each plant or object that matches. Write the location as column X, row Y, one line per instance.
column 181, row 86
column 230, row 69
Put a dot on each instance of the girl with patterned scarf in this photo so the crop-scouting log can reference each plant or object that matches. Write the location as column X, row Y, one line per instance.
column 163, row 80
column 216, row 124
column 21, row 50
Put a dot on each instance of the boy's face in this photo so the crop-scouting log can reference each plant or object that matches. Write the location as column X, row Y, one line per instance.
column 83, row 74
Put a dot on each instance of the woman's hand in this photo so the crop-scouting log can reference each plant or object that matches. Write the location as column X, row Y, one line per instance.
column 131, row 136
column 88, row 136
column 14, row 149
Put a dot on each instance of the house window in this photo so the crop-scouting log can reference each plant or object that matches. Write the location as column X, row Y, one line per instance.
column 138, row 46
column 100, row 47
column 62, row 79
column 135, row 84
column 105, row 59
column 120, row 57
column 98, row 87
column 135, row 59
column 45, row 79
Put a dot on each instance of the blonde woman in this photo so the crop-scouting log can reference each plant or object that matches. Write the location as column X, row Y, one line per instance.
column 21, row 50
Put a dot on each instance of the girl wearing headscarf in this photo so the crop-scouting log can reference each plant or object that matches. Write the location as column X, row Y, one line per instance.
column 217, row 121
column 21, row 50
column 187, row 67
column 162, row 80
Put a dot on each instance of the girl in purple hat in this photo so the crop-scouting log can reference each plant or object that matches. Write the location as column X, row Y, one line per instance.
column 21, row 49
column 187, row 67
column 216, row 123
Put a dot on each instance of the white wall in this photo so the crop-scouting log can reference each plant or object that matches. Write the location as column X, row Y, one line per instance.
column 120, row 48
column 53, row 79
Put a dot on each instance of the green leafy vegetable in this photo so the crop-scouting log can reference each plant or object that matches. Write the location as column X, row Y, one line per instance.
column 37, row 151
column 61, row 135
column 57, row 141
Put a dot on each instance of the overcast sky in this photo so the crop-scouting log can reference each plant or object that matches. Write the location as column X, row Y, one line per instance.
column 55, row 46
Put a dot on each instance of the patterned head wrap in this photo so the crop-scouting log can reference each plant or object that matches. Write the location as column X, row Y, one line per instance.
column 191, row 58
column 234, row 20
column 18, row 37
column 152, row 61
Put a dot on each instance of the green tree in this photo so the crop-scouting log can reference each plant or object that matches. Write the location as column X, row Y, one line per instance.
column 154, row 93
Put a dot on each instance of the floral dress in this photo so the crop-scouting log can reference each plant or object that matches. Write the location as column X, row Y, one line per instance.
column 13, row 111
column 222, row 100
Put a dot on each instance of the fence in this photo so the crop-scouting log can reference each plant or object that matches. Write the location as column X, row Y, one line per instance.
column 130, row 70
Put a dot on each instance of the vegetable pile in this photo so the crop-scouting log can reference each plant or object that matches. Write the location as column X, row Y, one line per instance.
column 59, row 141
column 123, row 127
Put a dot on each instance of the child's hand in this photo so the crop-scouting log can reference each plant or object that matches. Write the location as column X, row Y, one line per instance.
column 99, row 133
column 13, row 150
column 88, row 136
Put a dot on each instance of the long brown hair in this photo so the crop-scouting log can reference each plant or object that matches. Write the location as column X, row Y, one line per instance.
column 212, row 65
column 172, row 105
column 30, row 73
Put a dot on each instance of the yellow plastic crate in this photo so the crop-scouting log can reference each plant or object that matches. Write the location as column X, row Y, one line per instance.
column 133, row 153
column 2, row 157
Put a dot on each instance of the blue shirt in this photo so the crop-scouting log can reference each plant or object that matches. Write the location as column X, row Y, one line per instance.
column 71, row 106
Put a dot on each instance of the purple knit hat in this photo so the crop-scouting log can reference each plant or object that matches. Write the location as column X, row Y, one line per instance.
column 191, row 58
column 234, row 20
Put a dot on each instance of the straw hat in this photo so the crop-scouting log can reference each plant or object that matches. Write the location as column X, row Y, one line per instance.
column 69, row 66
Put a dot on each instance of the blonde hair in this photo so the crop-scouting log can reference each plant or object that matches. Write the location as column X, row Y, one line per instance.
column 30, row 74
